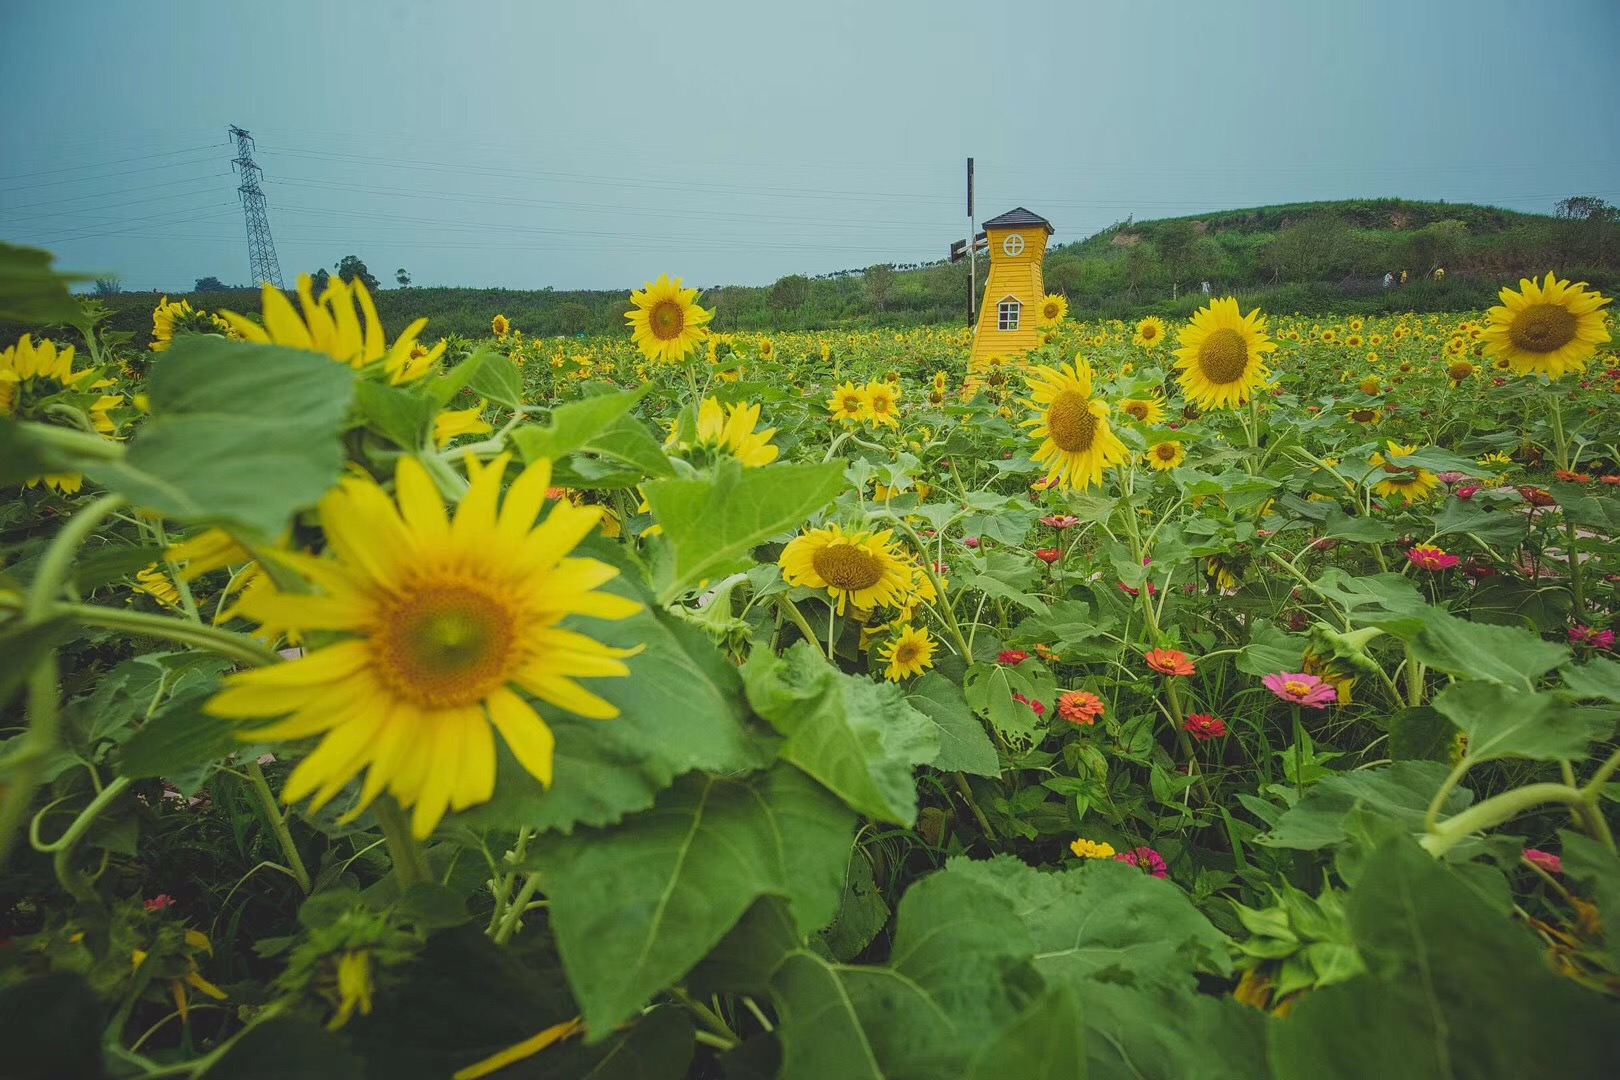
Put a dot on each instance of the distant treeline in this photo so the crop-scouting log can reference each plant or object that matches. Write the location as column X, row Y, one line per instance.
column 1312, row 258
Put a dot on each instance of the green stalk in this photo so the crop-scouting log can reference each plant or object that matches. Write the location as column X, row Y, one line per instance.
column 278, row 824
column 234, row 646
column 410, row 861
column 1495, row 811
column 514, row 913
column 64, row 846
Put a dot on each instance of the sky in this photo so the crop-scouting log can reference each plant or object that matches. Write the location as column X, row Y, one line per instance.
column 599, row 144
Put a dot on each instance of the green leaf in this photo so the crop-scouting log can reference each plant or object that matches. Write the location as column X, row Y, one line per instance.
column 1500, row 654
column 239, row 434
column 1401, row 792
column 1596, row 867
column 51, row 1027
column 1453, row 989
column 1002, row 591
column 862, row 914
column 572, row 425
column 1103, row 917
column 605, row 769
column 286, row 1046
column 989, row 688
column 713, row 521
column 1386, row 600
column 658, row 1047
column 1271, row 650
column 1504, row 722
column 31, row 293
column 178, row 738
column 1597, row 678
column 1065, row 627
column 1499, row 529
column 629, row 441
column 1361, row 530
column 859, row 738
column 498, row 380
column 635, row 907
column 403, row 417
column 964, row 746
column 1047, row 1042
column 442, row 391
column 1420, row 734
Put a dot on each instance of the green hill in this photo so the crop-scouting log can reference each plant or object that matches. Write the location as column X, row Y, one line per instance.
column 1317, row 257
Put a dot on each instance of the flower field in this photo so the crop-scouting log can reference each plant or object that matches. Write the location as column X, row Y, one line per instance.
column 1224, row 697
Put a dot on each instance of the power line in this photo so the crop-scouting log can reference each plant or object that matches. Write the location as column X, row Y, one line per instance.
column 104, row 164
column 101, row 194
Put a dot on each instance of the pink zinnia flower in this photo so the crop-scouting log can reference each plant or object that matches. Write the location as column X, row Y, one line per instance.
column 1466, row 493
column 1544, row 859
column 1060, row 521
column 1204, row 727
column 1429, row 557
column 1040, row 710
column 1596, row 639
column 971, row 541
column 1011, row 657
column 1145, row 858
column 159, row 902
column 1449, row 478
column 1301, row 689
column 1049, row 555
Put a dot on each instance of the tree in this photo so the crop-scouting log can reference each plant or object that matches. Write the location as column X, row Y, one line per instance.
column 790, row 293
column 879, row 283
column 1589, row 228
column 1176, row 241
column 210, row 284
column 109, row 286
column 351, row 267
column 1436, row 245
column 402, row 276
column 573, row 317
column 318, row 280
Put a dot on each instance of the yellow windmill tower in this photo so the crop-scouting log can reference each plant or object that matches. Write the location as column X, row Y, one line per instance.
column 1012, row 294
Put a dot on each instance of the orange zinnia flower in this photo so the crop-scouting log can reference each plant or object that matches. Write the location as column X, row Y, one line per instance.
column 1169, row 662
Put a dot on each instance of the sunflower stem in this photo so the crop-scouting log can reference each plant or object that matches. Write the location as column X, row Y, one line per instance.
column 234, row 646
column 410, row 861
column 278, row 824
column 514, row 913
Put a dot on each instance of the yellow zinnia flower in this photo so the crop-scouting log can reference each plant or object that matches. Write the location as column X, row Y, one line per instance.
column 665, row 322
column 910, row 652
column 860, row 567
column 1091, row 849
column 1222, row 355
column 342, row 324
column 1546, row 329
column 1076, row 442
column 443, row 618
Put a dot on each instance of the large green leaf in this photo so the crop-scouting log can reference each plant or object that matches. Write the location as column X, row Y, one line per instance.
column 1500, row 654
column 1162, row 1033
column 1386, row 600
column 989, row 689
column 1048, row 1042
column 1598, row 870
column 498, row 380
column 1453, row 989
column 286, row 1046
column 635, row 907
column 713, row 521
column 1499, row 529
column 239, row 434
column 31, row 293
column 51, row 1026
column 1103, row 917
column 178, row 737
column 857, row 737
column 605, row 769
column 964, row 746
column 1270, row 650
column 1401, row 792
column 862, row 913
column 574, row 424
column 402, row 416
column 1504, row 722
column 1597, row 678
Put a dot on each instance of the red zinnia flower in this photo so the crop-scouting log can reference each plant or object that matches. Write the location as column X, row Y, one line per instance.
column 1204, row 727
column 159, row 902
column 1544, row 859
column 1060, row 521
column 1169, row 662
column 1040, row 710
column 1011, row 657
column 1049, row 555
column 1080, row 708
column 1429, row 557
column 1144, row 858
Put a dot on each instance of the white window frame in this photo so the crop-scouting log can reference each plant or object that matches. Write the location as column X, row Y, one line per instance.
column 1013, row 245
column 1009, row 314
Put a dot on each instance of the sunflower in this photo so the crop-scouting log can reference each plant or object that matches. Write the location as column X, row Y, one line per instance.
column 862, row 568
column 731, row 429
column 1366, row 417
column 333, row 326
column 41, row 370
column 882, row 403
column 1370, row 386
column 665, row 323
column 1076, row 441
column 441, row 620
column 940, row 381
column 1222, row 355
column 1144, row 410
column 179, row 317
column 1413, row 485
column 1352, row 341
column 1166, row 455
column 848, row 404
column 1054, row 308
column 1548, row 328
column 910, row 652
column 1149, row 333
column 499, row 326
column 453, row 423
column 1458, row 371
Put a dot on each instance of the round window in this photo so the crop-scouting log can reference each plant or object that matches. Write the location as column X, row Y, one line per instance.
column 1013, row 245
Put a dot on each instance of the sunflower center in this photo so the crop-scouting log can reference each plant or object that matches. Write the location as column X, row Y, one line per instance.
column 1149, row 332
column 1363, row 416
column 1136, row 409
column 1069, row 420
column 847, row 567
column 880, row 404
column 905, row 652
column 446, row 645
column 1543, row 328
column 666, row 320
column 852, row 403
column 1165, row 452
column 1224, row 356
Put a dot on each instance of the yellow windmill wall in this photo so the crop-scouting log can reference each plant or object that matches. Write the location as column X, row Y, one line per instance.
column 1018, row 276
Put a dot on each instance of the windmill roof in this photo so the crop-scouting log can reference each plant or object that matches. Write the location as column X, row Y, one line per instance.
column 1018, row 217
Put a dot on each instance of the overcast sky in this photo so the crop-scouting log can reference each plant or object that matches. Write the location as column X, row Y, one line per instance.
column 598, row 144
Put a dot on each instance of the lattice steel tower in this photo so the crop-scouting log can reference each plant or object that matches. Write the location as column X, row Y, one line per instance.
column 261, row 248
